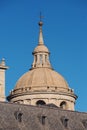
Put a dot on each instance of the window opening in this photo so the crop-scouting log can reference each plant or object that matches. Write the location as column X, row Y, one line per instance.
column 45, row 58
column 43, row 120
column 18, row 115
column 64, row 121
column 35, row 58
column 63, row 105
column 40, row 102
column 41, row 58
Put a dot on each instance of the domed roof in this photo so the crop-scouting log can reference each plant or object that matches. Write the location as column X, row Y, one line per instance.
column 41, row 77
column 41, row 48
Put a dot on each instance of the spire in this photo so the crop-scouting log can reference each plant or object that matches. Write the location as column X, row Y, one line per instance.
column 41, row 42
column 41, row 52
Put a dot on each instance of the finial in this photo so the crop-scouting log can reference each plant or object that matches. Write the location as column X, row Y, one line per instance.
column 41, row 42
column 41, row 23
column 3, row 62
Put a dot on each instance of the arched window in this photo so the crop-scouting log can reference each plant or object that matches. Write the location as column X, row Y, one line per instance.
column 63, row 105
column 40, row 102
column 35, row 58
column 45, row 58
column 41, row 58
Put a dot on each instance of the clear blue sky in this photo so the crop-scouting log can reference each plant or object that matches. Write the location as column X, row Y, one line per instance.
column 65, row 34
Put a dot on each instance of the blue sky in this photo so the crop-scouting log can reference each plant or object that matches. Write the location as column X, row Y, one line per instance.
column 65, row 34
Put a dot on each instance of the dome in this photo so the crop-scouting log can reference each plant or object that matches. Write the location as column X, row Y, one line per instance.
column 42, row 85
column 40, row 79
column 41, row 48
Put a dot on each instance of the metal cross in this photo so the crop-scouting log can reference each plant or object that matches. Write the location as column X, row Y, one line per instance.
column 41, row 16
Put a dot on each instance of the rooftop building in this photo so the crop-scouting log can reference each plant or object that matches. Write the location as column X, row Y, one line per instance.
column 41, row 98
column 41, row 84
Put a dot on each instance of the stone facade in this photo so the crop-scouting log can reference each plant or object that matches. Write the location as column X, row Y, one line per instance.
column 63, row 101
column 2, row 80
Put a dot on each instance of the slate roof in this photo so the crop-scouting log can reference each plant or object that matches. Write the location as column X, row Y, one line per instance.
column 27, row 117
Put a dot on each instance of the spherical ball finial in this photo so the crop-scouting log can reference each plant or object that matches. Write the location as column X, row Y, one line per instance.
column 40, row 23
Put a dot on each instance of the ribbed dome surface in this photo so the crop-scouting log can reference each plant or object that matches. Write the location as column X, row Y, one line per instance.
column 41, row 77
column 41, row 48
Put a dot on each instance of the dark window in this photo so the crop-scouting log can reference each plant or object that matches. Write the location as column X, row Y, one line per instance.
column 18, row 115
column 64, row 121
column 45, row 58
column 43, row 120
column 40, row 102
column 63, row 105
